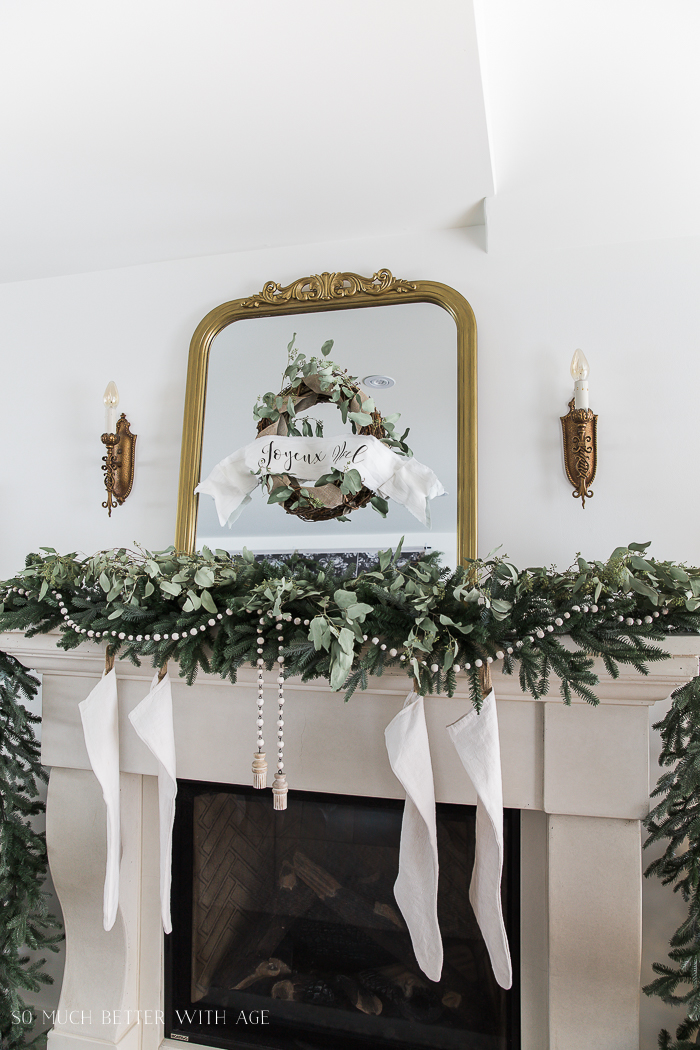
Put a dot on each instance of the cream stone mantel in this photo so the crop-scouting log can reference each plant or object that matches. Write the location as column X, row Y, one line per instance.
column 579, row 775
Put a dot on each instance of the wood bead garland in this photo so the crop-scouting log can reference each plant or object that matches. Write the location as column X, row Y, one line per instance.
column 280, row 786
column 259, row 768
column 259, row 763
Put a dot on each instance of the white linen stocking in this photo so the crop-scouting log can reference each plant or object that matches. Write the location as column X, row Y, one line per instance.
column 415, row 889
column 98, row 713
column 475, row 736
column 153, row 721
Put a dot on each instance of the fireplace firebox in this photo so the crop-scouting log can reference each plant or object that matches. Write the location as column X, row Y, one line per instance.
column 286, row 934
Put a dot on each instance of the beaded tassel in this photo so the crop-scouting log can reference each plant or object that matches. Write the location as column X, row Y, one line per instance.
column 279, row 790
column 279, row 786
column 259, row 763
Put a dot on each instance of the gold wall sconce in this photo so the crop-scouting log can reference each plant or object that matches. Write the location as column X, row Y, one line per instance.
column 580, row 429
column 118, row 464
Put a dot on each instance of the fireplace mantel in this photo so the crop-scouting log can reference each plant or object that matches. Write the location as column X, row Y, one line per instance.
column 579, row 775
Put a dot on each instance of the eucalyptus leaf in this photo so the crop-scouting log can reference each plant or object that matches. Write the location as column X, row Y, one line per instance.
column 449, row 622
column 346, row 640
column 320, row 633
column 328, row 479
column 194, row 599
column 579, row 583
column 168, row 587
column 361, row 419
column 115, row 590
column 643, row 588
column 352, row 482
column 359, row 611
column 341, row 662
column 380, row 505
column 344, row 599
column 204, row 577
column 641, row 565
column 281, row 494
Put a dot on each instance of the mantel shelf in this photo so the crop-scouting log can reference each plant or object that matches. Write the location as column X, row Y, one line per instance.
column 42, row 654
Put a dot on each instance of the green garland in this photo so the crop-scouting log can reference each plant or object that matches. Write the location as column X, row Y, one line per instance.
column 24, row 917
column 202, row 611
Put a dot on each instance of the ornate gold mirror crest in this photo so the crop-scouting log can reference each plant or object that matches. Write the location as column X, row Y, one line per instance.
column 328, row 292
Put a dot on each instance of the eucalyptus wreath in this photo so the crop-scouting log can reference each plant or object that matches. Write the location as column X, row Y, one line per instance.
column 407, row 611
column 307, row 382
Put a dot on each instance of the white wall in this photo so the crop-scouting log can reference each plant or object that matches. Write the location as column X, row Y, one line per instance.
column 633, row 309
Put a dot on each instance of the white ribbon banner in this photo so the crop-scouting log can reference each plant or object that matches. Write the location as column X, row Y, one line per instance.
column 307, row 458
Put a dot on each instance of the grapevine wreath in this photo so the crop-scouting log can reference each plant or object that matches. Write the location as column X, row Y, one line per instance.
column 314, row 381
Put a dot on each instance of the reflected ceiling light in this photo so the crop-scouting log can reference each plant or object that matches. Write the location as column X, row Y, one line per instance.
column 378, row 382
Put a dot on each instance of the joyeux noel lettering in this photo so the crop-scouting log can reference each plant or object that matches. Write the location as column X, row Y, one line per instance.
column 277, row 458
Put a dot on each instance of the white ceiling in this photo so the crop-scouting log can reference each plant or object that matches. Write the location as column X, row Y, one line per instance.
column 594, row 115
column 146, row 130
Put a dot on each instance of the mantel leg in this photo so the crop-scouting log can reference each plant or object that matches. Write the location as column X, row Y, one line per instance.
column 102, row 972
column 595, row 933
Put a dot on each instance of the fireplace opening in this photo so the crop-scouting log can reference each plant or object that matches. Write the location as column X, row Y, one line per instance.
column 286, row 934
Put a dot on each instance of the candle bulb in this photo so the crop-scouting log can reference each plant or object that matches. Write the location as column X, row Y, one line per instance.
column 111, row 400
column 579, row 373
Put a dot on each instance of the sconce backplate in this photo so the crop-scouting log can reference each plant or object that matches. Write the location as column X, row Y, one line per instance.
column 580, row 429
column 118, row 464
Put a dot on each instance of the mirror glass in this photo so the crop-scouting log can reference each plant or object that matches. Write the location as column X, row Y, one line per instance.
column 415, row 344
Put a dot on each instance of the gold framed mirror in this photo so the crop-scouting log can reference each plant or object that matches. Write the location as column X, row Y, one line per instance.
column 326, row 293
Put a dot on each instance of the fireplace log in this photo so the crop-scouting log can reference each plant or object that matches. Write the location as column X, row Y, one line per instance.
column 355, row 910
column 409, row 993
column 306, row 988
column 291, row 898
column 266, row 968
column 360, row 997
column 387, row 912
column 350, row 906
